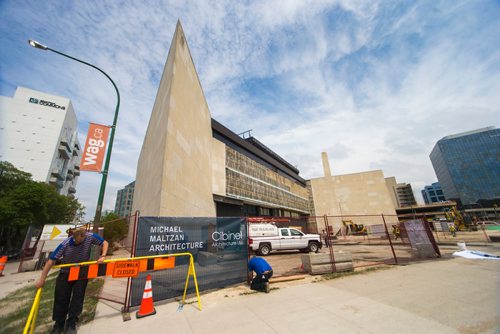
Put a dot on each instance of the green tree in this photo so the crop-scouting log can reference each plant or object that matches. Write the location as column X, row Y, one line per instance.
column 24, row 202
column 11, row 177
column 115, row 228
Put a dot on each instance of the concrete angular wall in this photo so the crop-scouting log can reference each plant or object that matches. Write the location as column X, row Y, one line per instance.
column 174, row 171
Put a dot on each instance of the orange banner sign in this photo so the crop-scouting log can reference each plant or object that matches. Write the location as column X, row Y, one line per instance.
column 95, row 148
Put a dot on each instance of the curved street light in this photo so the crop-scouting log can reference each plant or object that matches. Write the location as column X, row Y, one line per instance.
column 98, row 211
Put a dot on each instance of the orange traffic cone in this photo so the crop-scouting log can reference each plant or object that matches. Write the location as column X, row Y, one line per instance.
column 147, row 307
column 3, row 261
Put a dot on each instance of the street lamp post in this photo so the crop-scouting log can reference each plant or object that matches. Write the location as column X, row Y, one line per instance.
column 100, row 200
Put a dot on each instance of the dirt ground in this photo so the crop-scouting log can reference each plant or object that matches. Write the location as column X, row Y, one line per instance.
column 288, row 263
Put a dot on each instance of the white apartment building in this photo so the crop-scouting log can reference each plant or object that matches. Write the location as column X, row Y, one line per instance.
column 38, row 135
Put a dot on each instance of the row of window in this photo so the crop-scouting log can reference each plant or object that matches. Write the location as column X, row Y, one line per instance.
column 246, row 187
column 250, row 167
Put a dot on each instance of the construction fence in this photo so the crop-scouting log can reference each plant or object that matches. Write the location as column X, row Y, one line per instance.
column 218, row 245
column 391, row 239
column 375, row 239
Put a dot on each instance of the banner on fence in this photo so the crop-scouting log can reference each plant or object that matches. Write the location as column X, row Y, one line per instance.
column 218, row 245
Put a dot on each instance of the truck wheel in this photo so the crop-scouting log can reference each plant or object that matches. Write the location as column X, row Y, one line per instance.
column 313, row 247
column 264, row 249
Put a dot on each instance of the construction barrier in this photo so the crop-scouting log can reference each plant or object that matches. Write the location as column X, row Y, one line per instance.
column 118, row 268
column 3, row 262
column 147, row 308
column 30, row 324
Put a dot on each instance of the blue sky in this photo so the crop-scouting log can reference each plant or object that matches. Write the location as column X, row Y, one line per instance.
column 373, row 83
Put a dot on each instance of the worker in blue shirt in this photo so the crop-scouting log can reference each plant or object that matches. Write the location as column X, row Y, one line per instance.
column 69, row 296
column 263, row 272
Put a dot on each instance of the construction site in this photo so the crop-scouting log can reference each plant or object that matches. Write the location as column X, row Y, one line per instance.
column 194, row 204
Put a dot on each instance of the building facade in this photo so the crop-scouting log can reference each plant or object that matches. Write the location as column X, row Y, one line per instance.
column 401, row 193
column 433, row 193
column 124, row 199
column 191, row 165
column 38, row 135
column 467, row 165
column 404, row 195
column 258, row 181
column 350, row 196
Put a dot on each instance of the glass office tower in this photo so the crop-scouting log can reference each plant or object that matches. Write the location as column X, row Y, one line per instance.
column 467, row 165
column 433, row 193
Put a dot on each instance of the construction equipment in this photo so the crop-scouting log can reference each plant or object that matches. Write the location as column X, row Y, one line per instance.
column 353, row 228
column 396, row 231
column 456, row 217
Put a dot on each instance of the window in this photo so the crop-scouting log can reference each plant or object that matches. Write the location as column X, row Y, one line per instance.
column 264, row 211
column 295, row 232
column 284, row 233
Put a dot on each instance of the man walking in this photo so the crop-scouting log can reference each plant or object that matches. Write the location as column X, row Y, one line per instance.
column 69, row 296
column 263, row 272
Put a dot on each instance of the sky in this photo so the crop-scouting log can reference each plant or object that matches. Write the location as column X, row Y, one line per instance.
column 375, row 84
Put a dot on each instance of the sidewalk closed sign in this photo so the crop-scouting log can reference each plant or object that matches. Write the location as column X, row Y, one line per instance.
column 95, row 148
column 126, row 269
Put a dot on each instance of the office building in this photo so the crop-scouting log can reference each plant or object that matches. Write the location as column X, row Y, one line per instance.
column 401, row 193
column 124, row 199
column 467, row 165
column 433, row 193
column 38, row 135
column 404, row 195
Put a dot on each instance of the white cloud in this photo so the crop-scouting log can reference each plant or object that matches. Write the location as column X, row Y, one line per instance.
column 373, row 83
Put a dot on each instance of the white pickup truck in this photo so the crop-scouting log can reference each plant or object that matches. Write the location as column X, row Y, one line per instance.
column 264, row 238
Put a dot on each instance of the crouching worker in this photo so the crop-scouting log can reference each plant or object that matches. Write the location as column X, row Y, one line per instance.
column 69, row 296
column 263, row 272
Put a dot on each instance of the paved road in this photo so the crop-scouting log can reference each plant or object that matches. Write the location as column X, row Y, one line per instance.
column 452, row 295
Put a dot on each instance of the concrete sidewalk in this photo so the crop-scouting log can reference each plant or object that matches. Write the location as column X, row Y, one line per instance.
column 12, row 280
column 453, row 295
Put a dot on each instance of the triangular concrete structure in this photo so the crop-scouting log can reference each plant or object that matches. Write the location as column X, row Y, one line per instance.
column 174, row 171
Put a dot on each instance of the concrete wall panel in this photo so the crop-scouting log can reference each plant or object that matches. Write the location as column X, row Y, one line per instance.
column 175, row 167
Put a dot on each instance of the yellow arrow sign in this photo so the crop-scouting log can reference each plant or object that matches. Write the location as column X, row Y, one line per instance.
column 55, row 233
